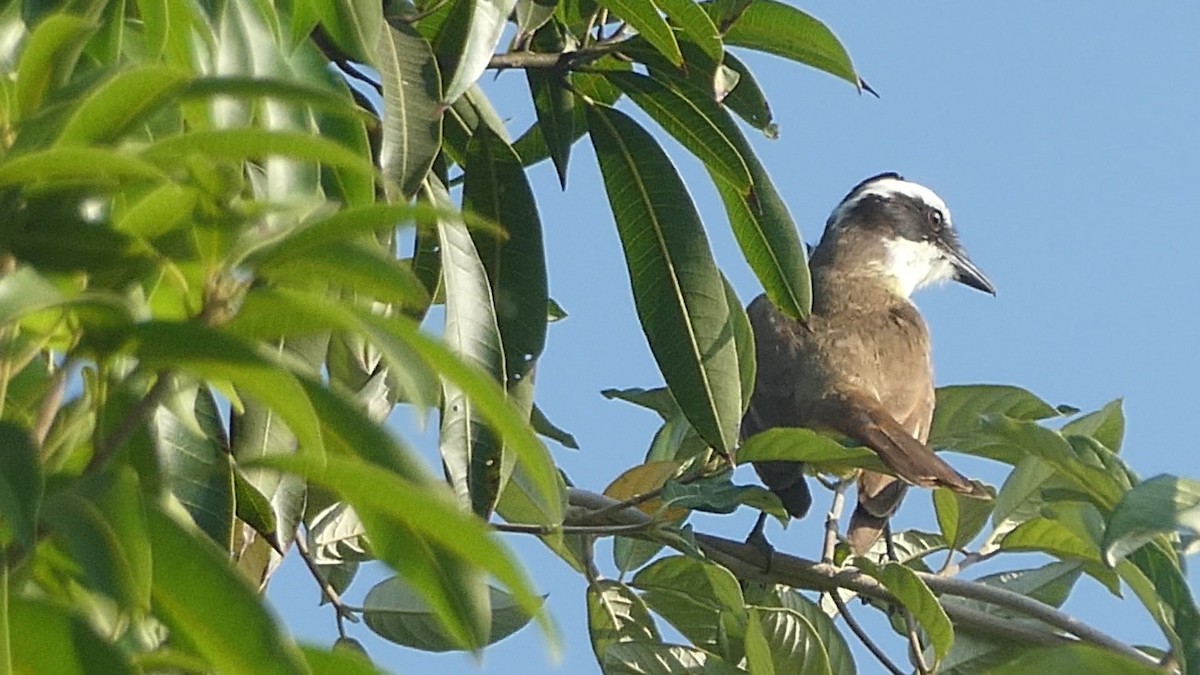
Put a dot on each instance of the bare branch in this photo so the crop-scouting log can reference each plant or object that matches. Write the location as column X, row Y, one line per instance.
column 862, row 635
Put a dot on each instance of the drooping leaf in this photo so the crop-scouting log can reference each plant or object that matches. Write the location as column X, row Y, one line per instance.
column 916, row 597
column 678, row 290
column 782, row 641
column 398, row 614
column 47, row 60
column 21, row 486
column 470, row 451
column 747, row 99
column 467, row 41
column 960, row 517
column 616, row 614
column 1160, row 505
column 113, row 106
column 412, row 122
column 554, row 104
column 780, row 29
column 354, row 25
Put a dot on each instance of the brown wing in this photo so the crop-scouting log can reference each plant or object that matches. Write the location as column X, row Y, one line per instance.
column 772, row 403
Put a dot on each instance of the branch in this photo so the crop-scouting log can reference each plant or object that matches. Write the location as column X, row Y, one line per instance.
column 341, row 609
column 740, row 558
column 862, row 635
column 556, row 60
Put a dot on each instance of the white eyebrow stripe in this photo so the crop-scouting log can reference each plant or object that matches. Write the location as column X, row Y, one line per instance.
column 888, row 187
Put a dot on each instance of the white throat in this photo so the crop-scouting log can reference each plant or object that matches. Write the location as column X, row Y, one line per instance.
column 912, row 265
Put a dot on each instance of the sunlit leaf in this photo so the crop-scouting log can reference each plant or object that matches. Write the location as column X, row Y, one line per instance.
column 644, row 17
column 412, row 123
column 1162, row 504
column 916, row 597
column 616, row 614
column 782, row 641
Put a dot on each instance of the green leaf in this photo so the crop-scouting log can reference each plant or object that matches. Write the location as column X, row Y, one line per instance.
column 691, row 594
column 470, row 451
column 48, row 59
column 960, row 409
column 916, row 597
column 782, row 641
column 426, row 515
column 1106, row 425
column 545, row 427
column 217, row 356
column 395, row 612
column 796, row 444
column 82, row 165
column 1080, row 658
column 554, row 104
column 719, row 495
column 841, row 660
column 646, row 658
column 531, row 15
column 776, row 28
column 695, row 24
column 1068, row 531
column 354, row 25
column 678, row 291
column 358, row 267
column 616, row 614
column 101, row 521
column 961, row 518
column 51, row 639
column 748, row 100
column 469, row 39
column 690, row 121
column 110, row 108
column 345, row 225
column 240, row 145
column 255, row 510
column 644, row 17
column 195, row 463
column 658, row 399
column 21, row 483
column 1160, row 505
column 1020, row 497
column 205, row 602
column 338, row 661
column 497, row 189
column 630, row 554
column 1155, row 574
column 412, row 121
column 743, row 340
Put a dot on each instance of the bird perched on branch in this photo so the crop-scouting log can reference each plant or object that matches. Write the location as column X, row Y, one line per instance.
column 860, row 365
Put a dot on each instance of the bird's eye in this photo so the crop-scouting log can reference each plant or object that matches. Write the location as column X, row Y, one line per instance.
column 936, row 218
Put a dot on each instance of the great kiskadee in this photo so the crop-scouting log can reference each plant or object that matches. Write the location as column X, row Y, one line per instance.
column 859, row 366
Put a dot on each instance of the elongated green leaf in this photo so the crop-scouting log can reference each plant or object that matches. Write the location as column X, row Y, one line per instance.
column 112, row 107
column 250, row 144
column 497, row 189
column 103, row 524
column 354, row 25
column 695, row 23
column 345, row 225
column 21, row 485
column 82, row 165
column 47, row 59
column 412, row 124
column 52, row 639
column 743, row 340
column 678, row 291
column 805, row 445
column 210, row 354
column 1155, row 574
column 196, row 466
column 780, row 641
column 644, row 16
column 472, row 34
column 1160, row 505
column 470, row 451
column 1070, row 538
column 748, row 100
column 960, row 409
column 359, row 267
column 916, row 597
column 553, row 103
column 202, row 599
column 691, row 594
column 531, row 15
column 426, row 509
column 690, row 121
column 395, row 612
column 616, row 614
column 777, row 28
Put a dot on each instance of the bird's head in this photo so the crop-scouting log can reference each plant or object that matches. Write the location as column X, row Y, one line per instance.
column 902, row 231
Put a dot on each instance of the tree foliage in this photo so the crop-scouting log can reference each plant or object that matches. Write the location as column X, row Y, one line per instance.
column 224, row 224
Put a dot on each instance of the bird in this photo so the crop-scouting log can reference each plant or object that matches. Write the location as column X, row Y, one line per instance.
column 859, row 365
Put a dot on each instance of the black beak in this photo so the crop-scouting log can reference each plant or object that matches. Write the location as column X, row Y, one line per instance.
column 967, row 273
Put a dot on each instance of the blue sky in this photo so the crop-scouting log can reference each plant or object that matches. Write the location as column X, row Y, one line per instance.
column 1064, row 140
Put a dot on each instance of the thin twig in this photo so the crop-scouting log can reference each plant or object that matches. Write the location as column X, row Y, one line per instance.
column 832, row 518
column 862, row 635
column 341, row 610
column 134, row 419
column 51, row 403
column 593, row 530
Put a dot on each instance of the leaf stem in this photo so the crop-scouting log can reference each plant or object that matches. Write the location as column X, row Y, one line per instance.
column 862, row 635
column 341, row 610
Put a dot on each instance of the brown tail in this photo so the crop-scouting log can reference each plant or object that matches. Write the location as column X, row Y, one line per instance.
column 879, row 496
